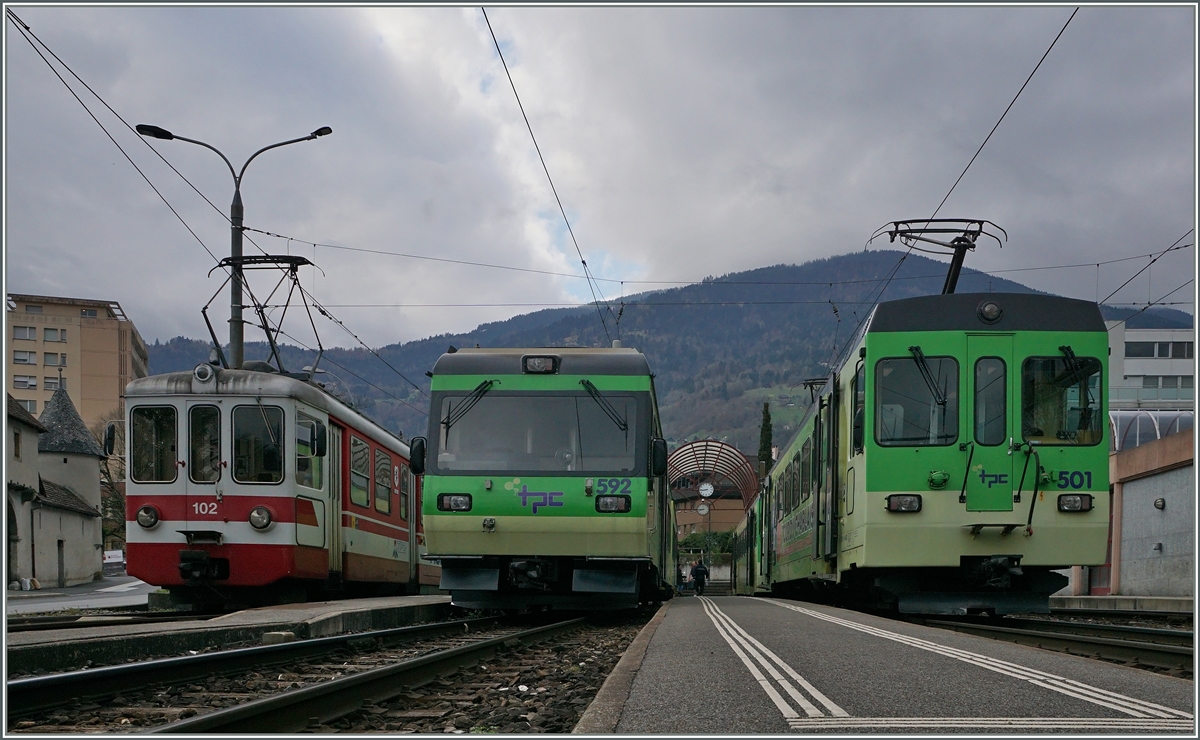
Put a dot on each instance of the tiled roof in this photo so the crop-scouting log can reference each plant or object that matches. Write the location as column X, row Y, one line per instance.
column 61, row 497
column 67, row 432
column 18, row 412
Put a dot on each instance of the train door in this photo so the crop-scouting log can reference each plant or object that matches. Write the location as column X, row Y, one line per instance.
column 203, row 469
column 988, row 461
column 333, row 522
column 829, row 478
column 312, row 484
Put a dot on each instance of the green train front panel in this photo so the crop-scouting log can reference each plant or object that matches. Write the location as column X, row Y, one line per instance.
column 1005, row 397
column 550, row 507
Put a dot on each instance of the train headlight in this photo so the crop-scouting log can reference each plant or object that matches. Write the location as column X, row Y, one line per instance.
column 1075, row 502
column 990, row 312
column 260, row 518
column 613, row 504
column 454, row 502
column 147, row 516
column 904, row 503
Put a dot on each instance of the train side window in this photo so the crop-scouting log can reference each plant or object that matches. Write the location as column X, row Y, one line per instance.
column 912, row 409
column 405, row 489
column 152, row 444
column 859, row 394
column 1060, row 400
column 310, row 471
column 806, row 470
column 360, row 472
column 258, row 444
column 383, row 483
column 204, row 442
column 991, row 406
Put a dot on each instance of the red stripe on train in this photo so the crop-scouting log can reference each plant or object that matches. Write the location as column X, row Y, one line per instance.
column 249, row 565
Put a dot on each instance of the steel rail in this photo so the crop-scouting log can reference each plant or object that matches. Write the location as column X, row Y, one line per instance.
column 1156, row 635
column 1157, row 615
column 296, row 710
column 1174, row 657
column 30, row 695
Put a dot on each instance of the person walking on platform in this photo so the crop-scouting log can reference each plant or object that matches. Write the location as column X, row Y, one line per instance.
column 699, row 575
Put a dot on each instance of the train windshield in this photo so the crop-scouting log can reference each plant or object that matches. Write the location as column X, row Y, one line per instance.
column 573, row 433
column 1060, row 400
column 916, row 403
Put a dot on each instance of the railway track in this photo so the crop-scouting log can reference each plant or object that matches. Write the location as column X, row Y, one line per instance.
column 1167, row 650
column 294, row 686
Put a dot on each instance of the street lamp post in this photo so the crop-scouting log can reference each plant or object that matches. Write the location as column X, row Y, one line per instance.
column 236, row 335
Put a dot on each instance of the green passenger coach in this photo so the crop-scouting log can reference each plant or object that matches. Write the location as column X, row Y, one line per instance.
column 955, row 458
column 545, row 480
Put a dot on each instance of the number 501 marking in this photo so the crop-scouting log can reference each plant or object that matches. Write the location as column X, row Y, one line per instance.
column 1075, row 479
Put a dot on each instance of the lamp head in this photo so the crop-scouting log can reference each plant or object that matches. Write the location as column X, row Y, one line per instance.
column 323, row 131
column 154, row 131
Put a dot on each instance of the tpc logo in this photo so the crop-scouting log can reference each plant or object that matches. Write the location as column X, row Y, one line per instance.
column 534, row 499
column 992, row 479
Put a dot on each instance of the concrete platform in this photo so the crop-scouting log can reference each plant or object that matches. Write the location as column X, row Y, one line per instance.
column 739, row 665
column 56, row 650
column 1125, row 603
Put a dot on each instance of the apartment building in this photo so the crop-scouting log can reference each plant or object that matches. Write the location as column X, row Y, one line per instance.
column 91, row 345
column 1151, row 383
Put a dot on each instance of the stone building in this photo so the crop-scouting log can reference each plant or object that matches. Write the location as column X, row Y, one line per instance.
column 54, row 527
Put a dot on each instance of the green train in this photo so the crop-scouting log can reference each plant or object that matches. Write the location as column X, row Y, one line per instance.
column 545, row 480
column 955, row 457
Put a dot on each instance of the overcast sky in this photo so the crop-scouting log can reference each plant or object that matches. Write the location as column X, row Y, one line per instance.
column 684, row 142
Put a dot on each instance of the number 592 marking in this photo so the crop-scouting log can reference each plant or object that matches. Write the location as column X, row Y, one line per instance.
column 613, row 485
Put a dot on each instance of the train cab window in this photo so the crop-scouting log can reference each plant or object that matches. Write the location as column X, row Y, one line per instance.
column 360, row 472
column 309, row 470
column 383, row 483
column 860, row 402
column 915, row 408
column 405, row 489
column 258, row 444
column 1060, row 401
column 152, row 444
column 204, row 444
column 991, row 406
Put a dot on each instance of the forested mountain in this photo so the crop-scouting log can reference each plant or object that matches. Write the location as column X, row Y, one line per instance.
column 719, row 348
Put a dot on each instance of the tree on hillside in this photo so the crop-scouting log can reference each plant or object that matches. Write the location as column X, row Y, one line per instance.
column 764, row 436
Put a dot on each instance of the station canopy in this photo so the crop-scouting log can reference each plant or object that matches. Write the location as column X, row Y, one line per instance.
column 730, row 472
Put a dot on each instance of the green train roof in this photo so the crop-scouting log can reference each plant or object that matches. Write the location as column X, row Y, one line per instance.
column 960, row 312
column 571, row 361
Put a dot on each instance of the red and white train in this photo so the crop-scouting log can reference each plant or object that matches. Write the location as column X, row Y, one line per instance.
column 250, row 487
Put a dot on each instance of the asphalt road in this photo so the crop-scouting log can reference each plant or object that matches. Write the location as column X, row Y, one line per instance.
column 110, row 592
column 729, row 665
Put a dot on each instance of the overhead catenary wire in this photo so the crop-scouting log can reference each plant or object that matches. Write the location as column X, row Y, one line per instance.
column 1153, row 303
column 961, row 175
column 1139, row 272
column 592, row 286
column 30, row 38
column 680, row 283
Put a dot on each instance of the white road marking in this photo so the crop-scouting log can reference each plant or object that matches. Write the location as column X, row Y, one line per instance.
column 119, row 588
column 1069, row 687
column 743, row 644
column 1112, row 724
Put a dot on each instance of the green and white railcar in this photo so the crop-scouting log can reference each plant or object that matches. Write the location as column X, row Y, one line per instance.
column 955, row 458
column 545, row 480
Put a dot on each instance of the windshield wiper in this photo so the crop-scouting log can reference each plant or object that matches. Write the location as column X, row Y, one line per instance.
column 923, row 366
column 607, row 407
column 454, row 414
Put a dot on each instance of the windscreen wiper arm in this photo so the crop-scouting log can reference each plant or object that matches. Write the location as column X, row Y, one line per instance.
column 607, row 407
column 927, row 374
column 454, row 414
